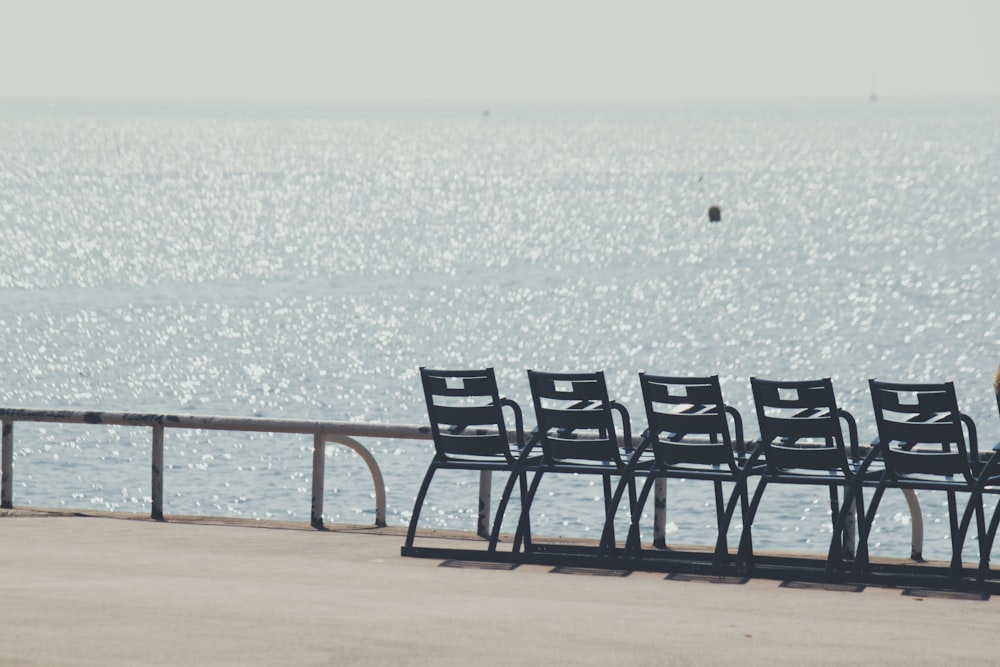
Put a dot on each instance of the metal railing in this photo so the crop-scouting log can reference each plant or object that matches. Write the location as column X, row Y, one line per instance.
column 342, row 433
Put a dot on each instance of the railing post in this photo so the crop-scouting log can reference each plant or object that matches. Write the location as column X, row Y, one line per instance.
column 157, row 473
column 850, row 534
column 7, row 465
column 917, row 519
column 318, row 472
column 660, row 513
column 373, row 468
column 483, row 527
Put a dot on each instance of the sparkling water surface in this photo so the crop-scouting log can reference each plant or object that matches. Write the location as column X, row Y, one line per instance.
column 304, row 262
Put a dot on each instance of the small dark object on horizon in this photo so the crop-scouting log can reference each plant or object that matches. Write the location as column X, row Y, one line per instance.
column 714, row 213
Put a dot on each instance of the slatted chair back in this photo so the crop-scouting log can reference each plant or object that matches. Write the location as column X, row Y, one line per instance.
column 688, row 422
column 466, row 414
column 920, row 429
column 574, row 417
column 800, row 425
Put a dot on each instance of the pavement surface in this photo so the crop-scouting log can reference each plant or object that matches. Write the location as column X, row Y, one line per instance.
column 84, row 590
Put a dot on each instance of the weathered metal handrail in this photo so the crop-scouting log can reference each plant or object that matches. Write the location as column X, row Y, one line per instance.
column 342, row 433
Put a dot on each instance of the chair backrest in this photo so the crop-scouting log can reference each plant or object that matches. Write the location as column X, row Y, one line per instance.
column 466, row 413
column 800, row 425
column 920, row 429
column 574, row 416
column 687, row 420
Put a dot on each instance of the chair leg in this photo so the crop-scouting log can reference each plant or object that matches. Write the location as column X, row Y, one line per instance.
column 980, row 518
column 526, row 536
column 720, row 513
column 632, row 495
column 524, row 522
column 986, row 546
column 411, row 532
column 515, row 475
column 607, row 536
column 853, row 505
column 745, row 554
column 633, row 542
column 975, row 504
column 744, row 508
column 612, row 501
column 720, row 507
column 834, row 512
column 861, row 561
column 956, row 535
column 834, row 504
column 741, row 492
column 953, row 521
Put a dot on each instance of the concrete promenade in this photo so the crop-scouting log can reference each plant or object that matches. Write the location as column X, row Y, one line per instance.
column 80, row 590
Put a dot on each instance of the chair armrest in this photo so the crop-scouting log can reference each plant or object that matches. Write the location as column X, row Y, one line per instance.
column 626, row 424
column 973, row 436
column 518, row 420
column 737, row 428
column 852, row 431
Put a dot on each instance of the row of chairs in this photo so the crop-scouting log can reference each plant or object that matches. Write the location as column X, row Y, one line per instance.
column 924, row 443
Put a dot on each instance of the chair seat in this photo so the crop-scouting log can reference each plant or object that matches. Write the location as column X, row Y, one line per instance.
column 687, row 471
column 576, row 467
column 488, row 464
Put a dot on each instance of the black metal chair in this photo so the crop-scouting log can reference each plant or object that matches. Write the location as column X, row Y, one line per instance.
column 689, row 436
column 802, row 442
column 922, row 446
column 577, row 435
column 469, row 431
column 988, row 481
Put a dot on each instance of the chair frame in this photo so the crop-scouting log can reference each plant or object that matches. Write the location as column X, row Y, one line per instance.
column 988, row 482
column 475, row 437
column 584, row 409
column 688, row 436
column 812, row 416
column 934, row 419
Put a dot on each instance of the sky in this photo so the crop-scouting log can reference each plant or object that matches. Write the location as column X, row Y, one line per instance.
column 627, row 50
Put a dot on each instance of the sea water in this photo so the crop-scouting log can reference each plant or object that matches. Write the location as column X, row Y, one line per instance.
column 303, row 262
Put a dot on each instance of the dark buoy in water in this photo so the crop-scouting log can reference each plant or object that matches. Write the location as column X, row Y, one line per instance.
column 714, row 213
